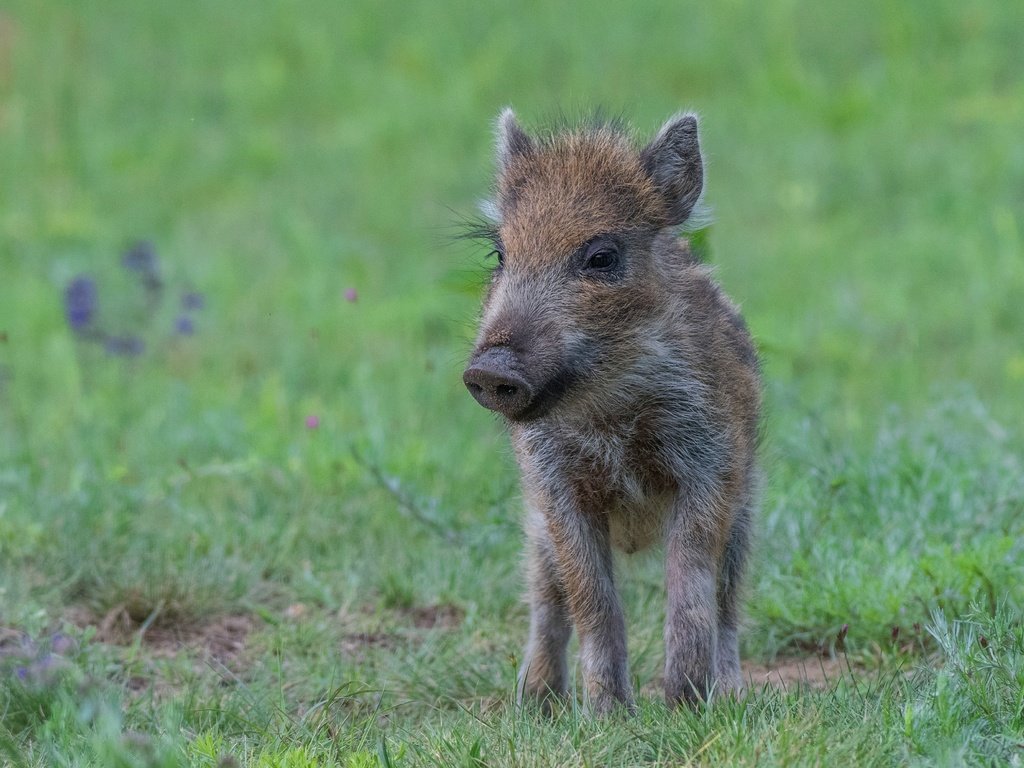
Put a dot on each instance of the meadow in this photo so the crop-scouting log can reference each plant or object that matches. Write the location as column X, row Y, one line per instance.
column 249, row 515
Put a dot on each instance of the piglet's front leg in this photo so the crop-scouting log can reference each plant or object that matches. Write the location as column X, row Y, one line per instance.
column 544, row 674
column 691, row 619
column 583, row 552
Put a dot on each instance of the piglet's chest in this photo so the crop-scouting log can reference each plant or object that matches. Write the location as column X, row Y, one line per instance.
column 619, row 478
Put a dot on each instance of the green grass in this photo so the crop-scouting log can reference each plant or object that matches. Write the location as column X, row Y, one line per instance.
column 237, row 588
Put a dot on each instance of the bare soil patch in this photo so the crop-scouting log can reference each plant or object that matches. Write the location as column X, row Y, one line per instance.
column 357, row 643
column 371, row 635
column 791, row 672
column 221, row 638
column 442, row 616
column 787, row 673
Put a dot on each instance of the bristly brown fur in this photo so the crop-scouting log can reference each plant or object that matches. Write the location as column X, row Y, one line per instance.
column 632, row 391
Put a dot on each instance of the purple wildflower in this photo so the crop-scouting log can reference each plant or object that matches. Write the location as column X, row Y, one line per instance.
column 44, row 664
column 43, row 671
column 61, row 643
column 351, row 295
column 80, row 303
column 312, row 421
column 124, row 346
column 141, row 259
column 184, row 326
column 192, row 300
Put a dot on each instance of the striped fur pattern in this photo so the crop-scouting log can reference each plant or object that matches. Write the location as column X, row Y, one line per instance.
column 634, row 405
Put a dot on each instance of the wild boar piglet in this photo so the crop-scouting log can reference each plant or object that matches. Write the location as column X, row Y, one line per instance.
column 631, row 390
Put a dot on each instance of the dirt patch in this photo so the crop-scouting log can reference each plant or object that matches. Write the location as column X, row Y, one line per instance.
column 220, row 638
column 357, row 643
column 370, row 633
column 443, row 616
column 10, row 637
column 789, row 673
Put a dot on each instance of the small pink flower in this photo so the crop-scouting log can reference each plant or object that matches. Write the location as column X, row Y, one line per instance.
column 351, row 295
column 312, row 421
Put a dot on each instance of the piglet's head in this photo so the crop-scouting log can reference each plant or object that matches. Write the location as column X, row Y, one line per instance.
column 577, row 279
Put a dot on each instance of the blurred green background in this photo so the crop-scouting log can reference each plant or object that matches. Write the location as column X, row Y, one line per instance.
column 864, row 165
column 866, row 169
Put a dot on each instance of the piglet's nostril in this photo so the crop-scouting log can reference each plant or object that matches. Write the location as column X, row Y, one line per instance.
column 506, row 390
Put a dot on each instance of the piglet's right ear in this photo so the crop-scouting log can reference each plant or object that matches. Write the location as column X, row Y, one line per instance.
column 512, row 140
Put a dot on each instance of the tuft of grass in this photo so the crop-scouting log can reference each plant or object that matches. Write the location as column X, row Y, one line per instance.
column 972, row 708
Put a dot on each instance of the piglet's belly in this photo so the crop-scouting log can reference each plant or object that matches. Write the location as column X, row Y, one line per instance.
column 637, row 526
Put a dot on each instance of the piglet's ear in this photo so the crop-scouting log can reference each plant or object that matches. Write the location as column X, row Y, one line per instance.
column 512, row 140
column 673, row 161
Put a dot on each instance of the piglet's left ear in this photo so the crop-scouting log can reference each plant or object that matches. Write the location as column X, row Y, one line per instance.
column 673, row 161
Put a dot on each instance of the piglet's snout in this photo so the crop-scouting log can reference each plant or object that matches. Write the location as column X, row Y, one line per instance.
column 492, row 379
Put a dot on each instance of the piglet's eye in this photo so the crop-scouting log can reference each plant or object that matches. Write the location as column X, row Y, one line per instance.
column 602, row 260
column 601, row 256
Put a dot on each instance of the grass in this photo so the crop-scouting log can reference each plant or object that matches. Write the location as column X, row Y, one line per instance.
column 192, row 572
